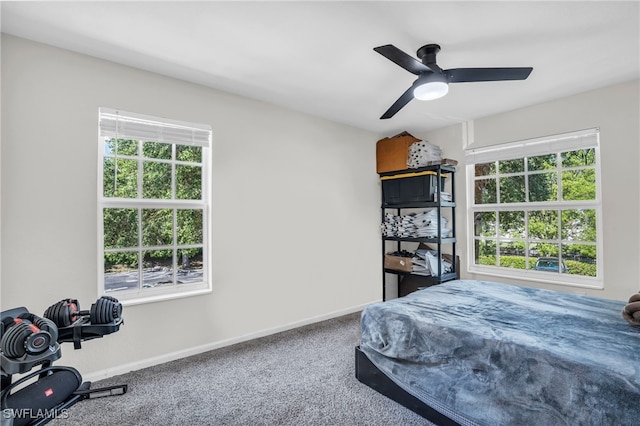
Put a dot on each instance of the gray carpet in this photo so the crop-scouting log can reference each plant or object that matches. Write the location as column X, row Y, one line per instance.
column 299, row 377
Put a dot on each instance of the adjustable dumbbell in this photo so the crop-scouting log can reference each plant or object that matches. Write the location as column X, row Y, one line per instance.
column 27, row 334
column 106, row 310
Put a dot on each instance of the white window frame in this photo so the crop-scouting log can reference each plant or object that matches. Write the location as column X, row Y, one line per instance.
column 120, row 124
column 583, row 139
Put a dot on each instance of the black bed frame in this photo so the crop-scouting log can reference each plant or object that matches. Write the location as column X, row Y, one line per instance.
column 370, row 375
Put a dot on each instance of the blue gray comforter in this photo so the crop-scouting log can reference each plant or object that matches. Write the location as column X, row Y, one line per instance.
column 495, row 354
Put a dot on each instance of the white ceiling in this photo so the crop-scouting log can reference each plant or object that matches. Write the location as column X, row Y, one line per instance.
column 317, row 57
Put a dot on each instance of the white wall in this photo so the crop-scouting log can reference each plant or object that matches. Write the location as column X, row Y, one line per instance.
column 616, row 111
column 295, row 218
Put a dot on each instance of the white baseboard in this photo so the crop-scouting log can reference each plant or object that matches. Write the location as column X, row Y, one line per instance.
column 172, row 356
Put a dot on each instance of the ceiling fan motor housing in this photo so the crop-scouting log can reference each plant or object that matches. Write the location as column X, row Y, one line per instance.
column 427, row 53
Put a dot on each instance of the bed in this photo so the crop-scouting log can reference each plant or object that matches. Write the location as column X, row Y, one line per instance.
column 481, row 353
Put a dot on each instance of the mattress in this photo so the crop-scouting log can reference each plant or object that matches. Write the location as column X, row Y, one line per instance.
column 493, row 354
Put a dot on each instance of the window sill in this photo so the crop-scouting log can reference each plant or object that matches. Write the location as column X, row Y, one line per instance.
column 132, row 299
column 566, row 280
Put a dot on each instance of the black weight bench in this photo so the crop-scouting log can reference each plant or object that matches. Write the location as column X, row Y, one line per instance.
column 53, row 389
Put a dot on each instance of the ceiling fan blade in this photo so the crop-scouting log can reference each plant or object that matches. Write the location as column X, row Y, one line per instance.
column 397, row 105
column 406, row 61
column 463, row 75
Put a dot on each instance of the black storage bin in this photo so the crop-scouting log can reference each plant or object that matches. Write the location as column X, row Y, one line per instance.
column 410, row 188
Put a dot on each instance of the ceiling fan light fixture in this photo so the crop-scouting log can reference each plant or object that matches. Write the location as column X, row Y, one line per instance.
column 431, row 90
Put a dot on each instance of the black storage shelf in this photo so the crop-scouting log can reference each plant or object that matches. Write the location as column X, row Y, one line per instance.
column 412, row 190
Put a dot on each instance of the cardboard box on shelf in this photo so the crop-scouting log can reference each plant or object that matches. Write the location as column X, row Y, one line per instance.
column 392, row 153
column 398, row 263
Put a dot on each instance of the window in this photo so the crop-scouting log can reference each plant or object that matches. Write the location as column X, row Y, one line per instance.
column 535, row 209
column 153, row 179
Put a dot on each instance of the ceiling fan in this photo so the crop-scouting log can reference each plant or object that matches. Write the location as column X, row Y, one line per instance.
column 433, row 81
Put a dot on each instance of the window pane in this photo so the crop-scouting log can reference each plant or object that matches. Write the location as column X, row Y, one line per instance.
column 512, row 254
column 120, row 227
column 485, row 169
column 157, row 227
column 157, row 268
column 580, row 259
column 157, row 150
column 188, row 182
column 511, row 224
column 485, row 224
column 543, row 187
column 192, row 154
column 190, row 226
column 582, row 157
column 485, row 252
column 579, row 225
column 123, row 147
column 547, row 249
column 120, row 178
column 109, row 177
column 156, row 180
column 120, row 271
column 579, row 184
column 511, row 166
column 190, row 266
column 512, row 189
column 543, row 224
column 542, row 162
column 109, row 146
column 485, row 192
